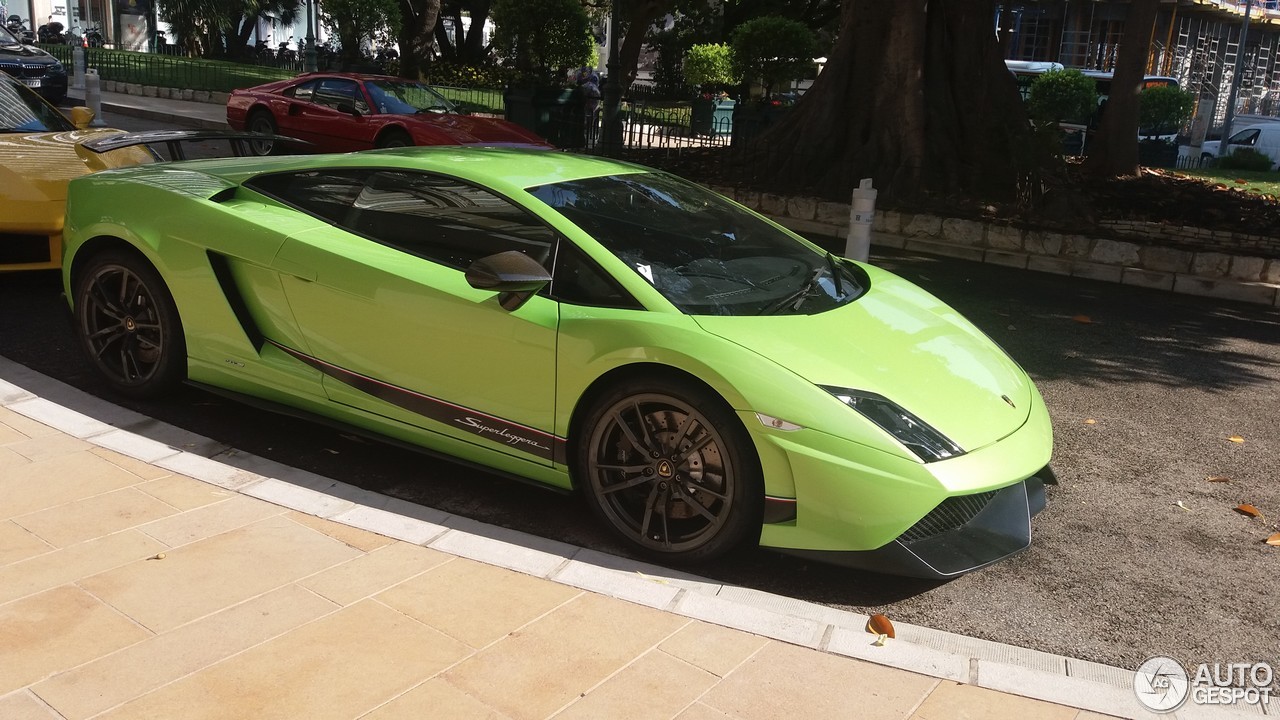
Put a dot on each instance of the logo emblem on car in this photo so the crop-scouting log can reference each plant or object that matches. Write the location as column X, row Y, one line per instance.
column 664, row 469
column 1010, row 402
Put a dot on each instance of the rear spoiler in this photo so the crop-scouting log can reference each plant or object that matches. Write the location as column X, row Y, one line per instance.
column 174, row 139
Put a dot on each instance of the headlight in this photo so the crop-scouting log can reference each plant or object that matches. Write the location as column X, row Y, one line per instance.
column 57, row 69
column 927, row 444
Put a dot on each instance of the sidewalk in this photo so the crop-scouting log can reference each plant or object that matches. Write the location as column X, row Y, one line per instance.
column 146, row 572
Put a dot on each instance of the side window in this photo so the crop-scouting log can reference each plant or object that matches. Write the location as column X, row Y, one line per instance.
column 332, row 92
column 329, row 194
column 304, row 92
column 580, row 281
column 445, row 220
column 1245, row 137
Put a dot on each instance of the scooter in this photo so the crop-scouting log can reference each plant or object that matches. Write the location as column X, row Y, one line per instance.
column 50, row 33
column 18, row 27
column 93, row 38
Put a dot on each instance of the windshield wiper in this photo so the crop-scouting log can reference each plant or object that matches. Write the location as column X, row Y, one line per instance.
column 797, row 298
column 835, row 274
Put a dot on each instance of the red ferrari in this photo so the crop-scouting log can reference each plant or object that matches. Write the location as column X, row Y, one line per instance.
column 342, row 112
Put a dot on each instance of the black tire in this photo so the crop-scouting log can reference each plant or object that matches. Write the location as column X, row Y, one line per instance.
column 128, row 324
column 670, row 468
column 394, row 139
column 260, row 121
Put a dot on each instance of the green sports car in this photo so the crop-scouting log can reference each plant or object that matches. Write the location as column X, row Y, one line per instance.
column 705, row 378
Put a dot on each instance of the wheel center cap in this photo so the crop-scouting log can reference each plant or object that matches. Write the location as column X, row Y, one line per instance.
column 130, row 324
column 665, row 469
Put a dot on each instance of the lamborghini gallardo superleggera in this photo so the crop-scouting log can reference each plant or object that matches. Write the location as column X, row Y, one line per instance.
column 705, row 378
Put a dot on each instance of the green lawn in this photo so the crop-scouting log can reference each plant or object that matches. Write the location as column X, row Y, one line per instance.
column 1263, row 183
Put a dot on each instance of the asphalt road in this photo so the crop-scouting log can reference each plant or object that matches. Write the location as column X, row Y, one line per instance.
column 1136, row 555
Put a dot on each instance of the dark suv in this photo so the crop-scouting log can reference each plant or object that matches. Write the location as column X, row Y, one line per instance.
column 33, row 67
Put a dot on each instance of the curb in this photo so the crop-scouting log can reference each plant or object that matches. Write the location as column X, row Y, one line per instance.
column 157, row 115
column 934, row 653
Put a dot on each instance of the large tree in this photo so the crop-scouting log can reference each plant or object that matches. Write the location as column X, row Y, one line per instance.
column 465, row 44
column 916, row 96
column 1114, row 150
column 417, row 18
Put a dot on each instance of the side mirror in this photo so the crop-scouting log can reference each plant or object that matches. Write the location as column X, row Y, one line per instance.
column 348, row 108
column 516, row 276
column 81, row 117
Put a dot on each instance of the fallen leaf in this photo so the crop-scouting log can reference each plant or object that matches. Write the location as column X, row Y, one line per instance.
column 157, row 556
column 1236, row 439
column 1184, row 507
column 1082, row 319
column 1241, row 181
column 1012, row 327
column 880, row 625
column 1218, row 478
column 1090, row 421
column 1274, row 540
column 1249, row 510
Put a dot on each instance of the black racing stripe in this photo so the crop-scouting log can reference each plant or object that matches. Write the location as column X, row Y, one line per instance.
column 489, row 427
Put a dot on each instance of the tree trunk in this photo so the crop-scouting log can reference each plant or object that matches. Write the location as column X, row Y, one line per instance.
column 1113, row 152
column 643, row 13
column 417, row 18
column 915, row 96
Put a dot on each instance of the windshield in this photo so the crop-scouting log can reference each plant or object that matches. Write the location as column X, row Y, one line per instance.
column 406, row 98
column 8, row 38
column 705, row 255
column 21, row 110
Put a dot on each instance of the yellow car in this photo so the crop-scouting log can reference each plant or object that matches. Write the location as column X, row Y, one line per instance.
column 39, row 154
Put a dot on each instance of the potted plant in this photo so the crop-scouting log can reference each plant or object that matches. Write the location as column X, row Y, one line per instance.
column 708, row 68
column 1162, row 111
column 768, row 51
column 541, row 40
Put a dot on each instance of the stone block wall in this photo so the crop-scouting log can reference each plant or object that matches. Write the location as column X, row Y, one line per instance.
column 1187, row 260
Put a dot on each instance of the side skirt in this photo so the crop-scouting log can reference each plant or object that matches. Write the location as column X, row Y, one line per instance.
column 290, row 411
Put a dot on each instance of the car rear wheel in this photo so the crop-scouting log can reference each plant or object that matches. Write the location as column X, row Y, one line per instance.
column 671, row 469
column 128, row 324
column 394, row 139
column 260, row 121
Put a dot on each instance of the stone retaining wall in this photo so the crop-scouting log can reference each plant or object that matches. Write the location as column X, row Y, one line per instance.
column 205, row 96
column 1184, row 260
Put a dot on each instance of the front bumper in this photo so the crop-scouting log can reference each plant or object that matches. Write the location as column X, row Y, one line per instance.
column 962, row 534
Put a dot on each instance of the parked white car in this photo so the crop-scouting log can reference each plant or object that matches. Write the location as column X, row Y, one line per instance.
column 1265, row 138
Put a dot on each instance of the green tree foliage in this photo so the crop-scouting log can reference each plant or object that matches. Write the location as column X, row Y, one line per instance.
column 355, row 21
column 772, row 50
column 542, row 37
column 1062, row 96
column 1164, row 109
column 218, row 28
column 708, row 64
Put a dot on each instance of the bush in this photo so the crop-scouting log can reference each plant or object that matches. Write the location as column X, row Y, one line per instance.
column 1062, row 96
column 468, row 76
column 708, row 65
column 772, row 49
column 1164, row 109
column 1245, row 159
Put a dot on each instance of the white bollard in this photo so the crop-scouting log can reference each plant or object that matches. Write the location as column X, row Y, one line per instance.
column 93, row 97
column 862, row 212
column 78, row 66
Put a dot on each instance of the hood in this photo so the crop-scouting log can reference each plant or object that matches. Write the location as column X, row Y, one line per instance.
column 37, row 166
column 472, row 129
column 904, row 344
column 25, row 53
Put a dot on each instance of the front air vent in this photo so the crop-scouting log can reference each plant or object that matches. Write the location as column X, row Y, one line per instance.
column 951, row 514
column 18, row 249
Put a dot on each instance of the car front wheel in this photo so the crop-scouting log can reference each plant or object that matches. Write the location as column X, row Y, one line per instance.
column 670, row 468
column 128, row 325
